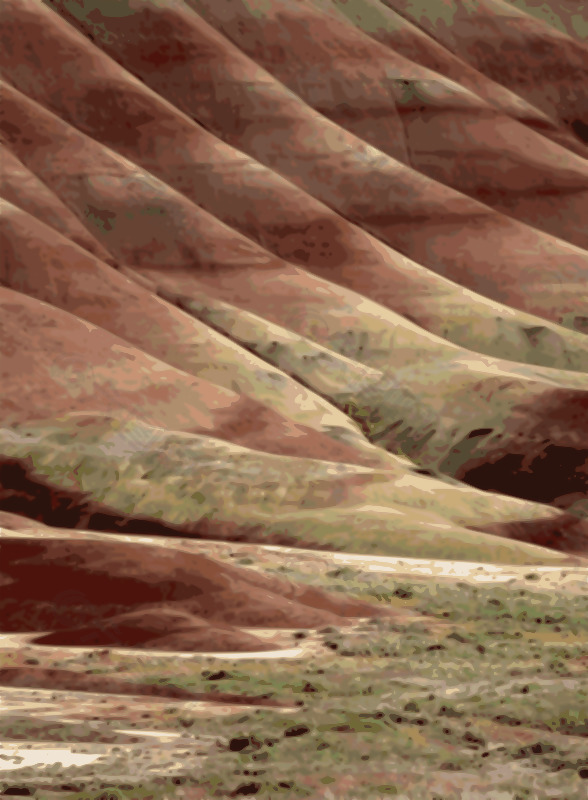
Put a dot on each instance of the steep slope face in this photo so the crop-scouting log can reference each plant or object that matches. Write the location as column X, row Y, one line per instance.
column 534, row 59
column 394, row 409
column 93, row 471
column 567, row 16
column 286, row 221
column 212, row 81
column 55, row 362
column 383, row 24
column 22, row 188
column 408, row 112
column 39, row 262
column 181, row 231
column 432, row 409
column 250, row 290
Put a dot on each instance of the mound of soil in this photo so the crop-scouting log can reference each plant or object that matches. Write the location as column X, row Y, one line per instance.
column 158, row 628
column 54, row 362
column 67, row 680
column 133, row 595
column 23, row 189
column 24, row 494
column 523, row 53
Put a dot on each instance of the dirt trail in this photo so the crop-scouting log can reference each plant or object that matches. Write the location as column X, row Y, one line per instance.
column 10, row 641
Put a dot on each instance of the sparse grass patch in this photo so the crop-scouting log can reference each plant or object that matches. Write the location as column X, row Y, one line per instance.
column 467, row 699
column 489, row 685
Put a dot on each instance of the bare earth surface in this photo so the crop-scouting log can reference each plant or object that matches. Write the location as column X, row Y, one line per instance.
column 293, row 399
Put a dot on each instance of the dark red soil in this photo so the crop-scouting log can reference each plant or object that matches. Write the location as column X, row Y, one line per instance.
column 98, row 593
column 67, row 680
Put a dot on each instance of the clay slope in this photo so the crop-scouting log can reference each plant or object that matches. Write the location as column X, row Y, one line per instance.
column 545, row 66
column 60, row 362
column 38, row 262
column 303, row 272
column 396, row 203
column 385, row 25
column 408, row 112
column 567, row 16
column 119, row 594
column 253, row 496
column 286, row 221
column 450, row 430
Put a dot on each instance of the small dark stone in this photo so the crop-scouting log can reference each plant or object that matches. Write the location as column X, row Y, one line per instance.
column 246, row 788
column 18, row 790
column 297, row 730
column 238, row 743
column 219, row 676
column 270, row 742
column 402, row 594
column 458, row 638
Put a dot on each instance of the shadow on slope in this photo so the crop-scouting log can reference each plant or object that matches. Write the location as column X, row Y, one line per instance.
column 141, row 479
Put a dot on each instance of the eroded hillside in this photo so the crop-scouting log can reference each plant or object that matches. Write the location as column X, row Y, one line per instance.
column 309, row 274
